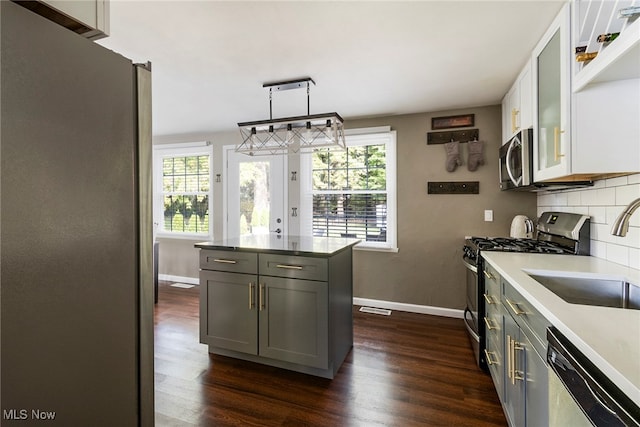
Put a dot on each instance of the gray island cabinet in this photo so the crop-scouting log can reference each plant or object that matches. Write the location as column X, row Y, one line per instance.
column 281, row 301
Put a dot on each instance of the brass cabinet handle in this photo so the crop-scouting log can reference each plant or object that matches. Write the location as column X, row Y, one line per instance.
column 517, row 375
column 509, row 356
column 512, row 372
column 261, row 295
column 487, row 322
column 512, row 355
column 556, row 143
column 488, row 275
column 488, row 356
column 514, row 114
column 289, row 267
column 514, row 307
column 225, row 261
column 488, row 299
column 251, row 299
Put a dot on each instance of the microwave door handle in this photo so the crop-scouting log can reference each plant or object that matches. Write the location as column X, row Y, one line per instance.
column 507, row 157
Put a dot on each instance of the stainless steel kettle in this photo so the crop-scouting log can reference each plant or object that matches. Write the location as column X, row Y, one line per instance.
column 522, row 227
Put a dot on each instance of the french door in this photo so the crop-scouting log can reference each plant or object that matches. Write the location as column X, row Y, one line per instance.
column 256, row 194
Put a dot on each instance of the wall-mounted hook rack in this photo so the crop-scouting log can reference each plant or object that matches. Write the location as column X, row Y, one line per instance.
column 455, row 135
column 448, row 187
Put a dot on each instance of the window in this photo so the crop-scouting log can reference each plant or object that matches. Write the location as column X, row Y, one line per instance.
column 182, row 175
column 351, row 193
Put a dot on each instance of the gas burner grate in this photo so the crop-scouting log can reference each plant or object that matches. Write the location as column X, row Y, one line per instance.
column 511, row 244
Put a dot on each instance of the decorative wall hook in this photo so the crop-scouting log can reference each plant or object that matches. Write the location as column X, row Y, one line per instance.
column 457, row 135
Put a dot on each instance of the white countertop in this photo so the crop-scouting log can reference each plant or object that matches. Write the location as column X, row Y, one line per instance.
column 609, row 337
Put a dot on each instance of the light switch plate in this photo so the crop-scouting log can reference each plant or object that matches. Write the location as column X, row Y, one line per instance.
column 488, row 215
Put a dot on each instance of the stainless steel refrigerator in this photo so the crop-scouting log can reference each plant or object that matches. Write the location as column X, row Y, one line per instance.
column 76, row 289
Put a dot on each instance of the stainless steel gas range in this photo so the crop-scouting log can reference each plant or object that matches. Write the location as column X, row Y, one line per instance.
column 556, row 233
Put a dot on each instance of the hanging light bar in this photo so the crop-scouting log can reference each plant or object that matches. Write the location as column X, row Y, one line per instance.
column 291, row 134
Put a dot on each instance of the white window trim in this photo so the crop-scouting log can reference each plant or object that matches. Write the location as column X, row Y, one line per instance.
column 161, row 151
column 358, row 137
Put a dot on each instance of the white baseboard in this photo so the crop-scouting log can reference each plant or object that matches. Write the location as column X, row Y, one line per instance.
column 180, row 279
column 412, row 308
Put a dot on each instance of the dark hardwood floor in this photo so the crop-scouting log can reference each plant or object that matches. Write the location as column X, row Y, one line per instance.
column 404, row 370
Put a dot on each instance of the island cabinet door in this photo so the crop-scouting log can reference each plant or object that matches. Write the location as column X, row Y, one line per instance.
column 228, row 311
column 294, row 321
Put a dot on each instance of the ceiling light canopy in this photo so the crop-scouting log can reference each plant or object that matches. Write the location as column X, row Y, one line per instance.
column 291, row 134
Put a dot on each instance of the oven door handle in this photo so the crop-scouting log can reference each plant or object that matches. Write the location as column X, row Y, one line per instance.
column 469, row 328
column 470, row 266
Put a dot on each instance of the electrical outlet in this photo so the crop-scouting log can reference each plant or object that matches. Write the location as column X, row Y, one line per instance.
column 488, row 215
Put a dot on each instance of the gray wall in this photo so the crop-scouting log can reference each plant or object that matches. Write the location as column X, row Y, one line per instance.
column 427, row 268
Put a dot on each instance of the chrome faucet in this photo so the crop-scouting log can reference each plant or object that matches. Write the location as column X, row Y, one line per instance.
column 621, row 226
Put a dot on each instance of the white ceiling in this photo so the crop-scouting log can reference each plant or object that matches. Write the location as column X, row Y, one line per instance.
column 210, row 58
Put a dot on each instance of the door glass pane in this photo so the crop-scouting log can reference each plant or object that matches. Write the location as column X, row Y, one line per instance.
column 255, row 197
column 549, row 96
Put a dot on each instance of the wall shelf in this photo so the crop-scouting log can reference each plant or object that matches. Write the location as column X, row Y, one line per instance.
column 455, row 187
column 618, row 60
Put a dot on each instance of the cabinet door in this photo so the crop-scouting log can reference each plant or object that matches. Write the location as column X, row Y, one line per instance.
column 228, row 312
column 495, row 352
column 526, row 101
column 514, row 104
column 551, row 59
column 506, row 119
column 537, row 386
column 514, row 396
column 294, row 321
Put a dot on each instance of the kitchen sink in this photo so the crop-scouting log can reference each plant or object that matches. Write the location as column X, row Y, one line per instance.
column 589, row 290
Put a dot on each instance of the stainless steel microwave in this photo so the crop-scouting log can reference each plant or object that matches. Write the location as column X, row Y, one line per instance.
column 516, row 167
column 516, row 161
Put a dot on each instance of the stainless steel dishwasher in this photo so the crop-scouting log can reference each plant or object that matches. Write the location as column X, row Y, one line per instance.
column 579, row 393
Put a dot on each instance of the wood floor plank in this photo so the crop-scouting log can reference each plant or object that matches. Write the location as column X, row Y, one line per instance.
column 406, row 369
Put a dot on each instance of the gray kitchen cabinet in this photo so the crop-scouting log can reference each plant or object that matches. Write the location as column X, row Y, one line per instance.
column 516, row 352
column 514, row 395
column 292, row 311
column 494, row 326
column 536, row 386
column 228, row 318
column 526, row 377
column 293, row 321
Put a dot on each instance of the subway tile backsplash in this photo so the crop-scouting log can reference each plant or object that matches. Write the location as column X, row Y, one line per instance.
column 603, row 202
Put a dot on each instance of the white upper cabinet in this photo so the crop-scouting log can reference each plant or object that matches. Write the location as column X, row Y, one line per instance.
column 552, row 119
column 586, row 112
column 517, row 105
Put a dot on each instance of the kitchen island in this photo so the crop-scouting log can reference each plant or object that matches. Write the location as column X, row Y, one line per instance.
column 283, row 301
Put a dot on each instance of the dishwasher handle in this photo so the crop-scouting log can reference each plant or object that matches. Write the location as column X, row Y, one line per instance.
column 600, row 400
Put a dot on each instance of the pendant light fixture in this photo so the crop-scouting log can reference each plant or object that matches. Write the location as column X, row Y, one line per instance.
column 291, row 134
